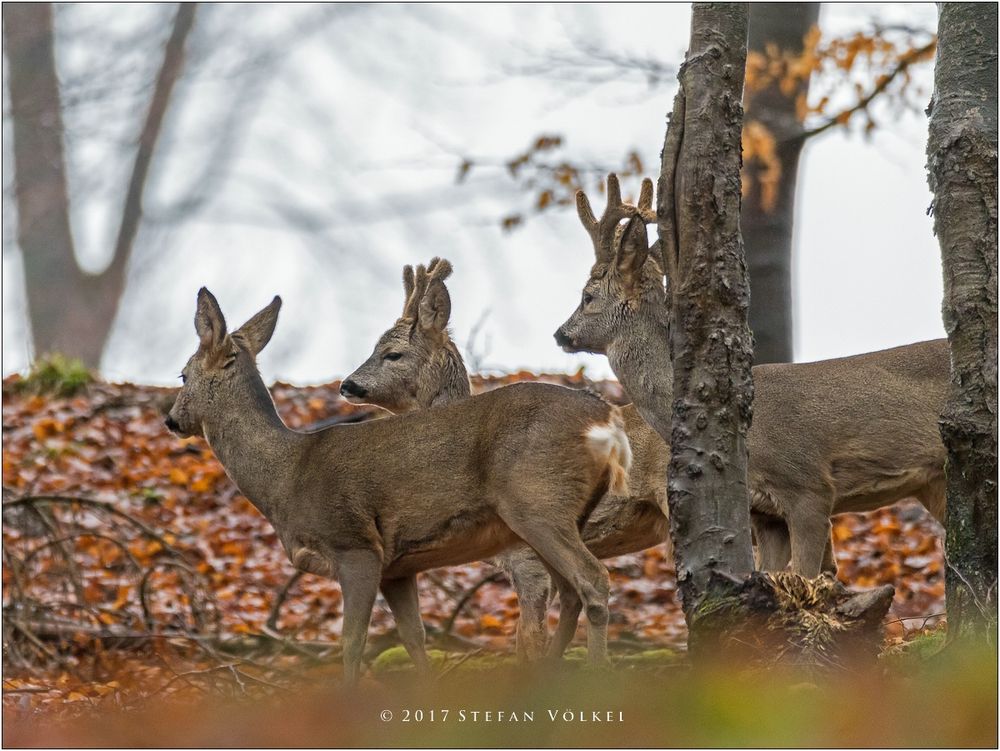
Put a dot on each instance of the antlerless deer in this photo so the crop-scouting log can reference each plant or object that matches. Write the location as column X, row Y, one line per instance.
column 376, row 503
column 416, row 365
column 850, row 434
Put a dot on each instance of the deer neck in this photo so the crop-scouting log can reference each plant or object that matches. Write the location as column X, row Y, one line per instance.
column 640, row 359
column 258, row 451
column 451, row 382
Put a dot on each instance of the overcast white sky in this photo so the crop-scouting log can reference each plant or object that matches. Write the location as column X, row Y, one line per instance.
column 359, row 123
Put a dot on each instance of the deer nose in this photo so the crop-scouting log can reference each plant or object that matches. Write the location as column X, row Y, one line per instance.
column 171, row 424
column 350, row 388
column 562, row 340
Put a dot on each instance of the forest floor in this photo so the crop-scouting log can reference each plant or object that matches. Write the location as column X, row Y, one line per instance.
column 136, row 572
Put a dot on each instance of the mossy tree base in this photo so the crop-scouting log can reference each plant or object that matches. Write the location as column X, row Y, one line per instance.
column 784, row 619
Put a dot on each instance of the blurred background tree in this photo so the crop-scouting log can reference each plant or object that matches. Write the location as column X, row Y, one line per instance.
column 786, row 53
column 117, row 94
column 71, row 310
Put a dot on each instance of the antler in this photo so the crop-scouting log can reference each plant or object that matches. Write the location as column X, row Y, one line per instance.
column 605, row 233
column 425, row 289
column 409, row 304
column 438, row 269
column 645, row 206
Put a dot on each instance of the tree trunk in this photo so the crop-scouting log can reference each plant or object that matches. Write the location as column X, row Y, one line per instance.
column 170, row 72
column 711, row 345
column 70, row 311
column 962, row 172
column 730, row 610
column 43, row 225
column 768, row 213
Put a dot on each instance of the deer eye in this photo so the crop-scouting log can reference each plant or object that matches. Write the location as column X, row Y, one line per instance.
column 587, row 298
column 184, row 378
column 392, row 355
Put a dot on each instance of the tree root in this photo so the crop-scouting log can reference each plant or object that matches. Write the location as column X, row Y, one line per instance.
column 783, row 619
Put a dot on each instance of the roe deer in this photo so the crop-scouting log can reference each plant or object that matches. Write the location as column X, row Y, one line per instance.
column 378, row 502
column 850, row 434
column 415, row 365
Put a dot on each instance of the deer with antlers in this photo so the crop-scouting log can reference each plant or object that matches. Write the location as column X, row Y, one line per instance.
column 378, row 502
column 416, row 365
column 850, row 434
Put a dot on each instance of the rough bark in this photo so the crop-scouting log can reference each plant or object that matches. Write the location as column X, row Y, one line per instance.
column 962, row 172
column 768, row 222
column 70, row 311
column 731, row 612
column 711, row 345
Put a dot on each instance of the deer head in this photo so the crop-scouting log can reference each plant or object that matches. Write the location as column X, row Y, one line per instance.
column 626, row 280
column 224, row 364
column 414, row 363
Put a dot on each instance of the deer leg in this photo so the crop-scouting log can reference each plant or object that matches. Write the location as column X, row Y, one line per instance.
column 558, row 543
column 533, row 587
column 829, row 565
column 810, row 534
column 774, row 549
column 401, row 594
column 359, row 574
column 932, row 496
column 570, row 606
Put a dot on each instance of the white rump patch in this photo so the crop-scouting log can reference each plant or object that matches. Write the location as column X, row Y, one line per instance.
column 610, row 443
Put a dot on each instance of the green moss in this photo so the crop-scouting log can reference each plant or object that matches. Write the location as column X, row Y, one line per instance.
column 913, row 653
column 57, row 375
column 651, row 658
column 395, row 659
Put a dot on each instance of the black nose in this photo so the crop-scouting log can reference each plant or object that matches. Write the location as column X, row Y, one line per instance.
column 562, row 340
column 350, row 388
column 172, row 424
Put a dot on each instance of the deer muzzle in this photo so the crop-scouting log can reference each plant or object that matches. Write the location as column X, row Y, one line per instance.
column 350, row 388
column 564, row 341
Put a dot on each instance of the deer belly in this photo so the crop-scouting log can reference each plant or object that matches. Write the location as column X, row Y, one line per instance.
column 628, row 526
column 459, row 544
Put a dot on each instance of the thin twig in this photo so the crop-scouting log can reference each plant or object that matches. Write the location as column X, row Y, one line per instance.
column 461, row 660
column 914, row 618
column 908, row 59
column 272, row 619
column 450, row 623
column 107, row 507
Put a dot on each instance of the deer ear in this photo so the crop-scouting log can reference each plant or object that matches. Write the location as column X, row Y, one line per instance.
column 209, row 323
column 256, row 333
column 632, row 251
column 435, row 307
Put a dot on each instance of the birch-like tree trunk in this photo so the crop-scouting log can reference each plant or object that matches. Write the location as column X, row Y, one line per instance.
column 962, row 171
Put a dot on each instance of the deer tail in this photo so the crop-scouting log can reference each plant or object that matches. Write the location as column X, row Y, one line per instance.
column 609, row 442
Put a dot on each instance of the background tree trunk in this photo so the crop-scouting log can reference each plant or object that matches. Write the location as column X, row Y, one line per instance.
column 43, row 224
column 768, row 216
column 711, row 345
column 962, row 171
column 70, row 311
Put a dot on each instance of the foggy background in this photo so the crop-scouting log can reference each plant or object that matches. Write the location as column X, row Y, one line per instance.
column 310, row 151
